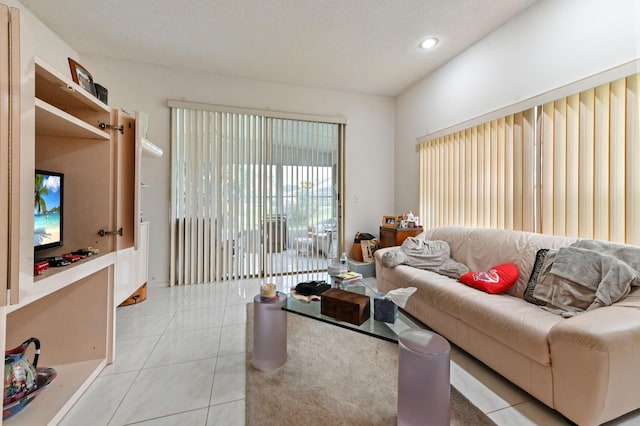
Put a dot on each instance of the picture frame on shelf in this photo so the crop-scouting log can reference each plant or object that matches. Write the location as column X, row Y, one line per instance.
column 82, row 77
column 390, row 221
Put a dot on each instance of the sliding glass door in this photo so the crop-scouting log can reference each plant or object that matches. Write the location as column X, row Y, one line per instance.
column 252, row 195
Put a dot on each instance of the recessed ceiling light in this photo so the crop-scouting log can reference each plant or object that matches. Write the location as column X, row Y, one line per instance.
column 429, row 43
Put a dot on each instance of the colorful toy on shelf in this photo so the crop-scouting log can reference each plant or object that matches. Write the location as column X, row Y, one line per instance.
column 40, row 267
column 72, row 257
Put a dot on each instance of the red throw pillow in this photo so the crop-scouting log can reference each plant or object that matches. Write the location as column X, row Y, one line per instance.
column 496, row 280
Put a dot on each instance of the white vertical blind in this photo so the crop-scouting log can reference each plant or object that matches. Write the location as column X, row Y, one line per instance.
column 252, row 195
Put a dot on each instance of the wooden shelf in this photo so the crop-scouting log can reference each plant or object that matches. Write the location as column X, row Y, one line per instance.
column 55, row 279
column 54, row 88
column 75, row 326
column 51, row 121
column 52, row 403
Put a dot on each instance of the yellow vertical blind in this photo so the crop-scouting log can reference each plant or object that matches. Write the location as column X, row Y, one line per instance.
column 481, row 176
column 590, row 176
column 576, row 174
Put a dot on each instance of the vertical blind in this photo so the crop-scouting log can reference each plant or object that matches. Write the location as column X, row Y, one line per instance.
column 590, row 145
column 252, row 195
column 569, row 167
column 481, row 176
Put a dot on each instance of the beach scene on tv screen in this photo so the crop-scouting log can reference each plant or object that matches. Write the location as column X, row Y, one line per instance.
column 46, row 210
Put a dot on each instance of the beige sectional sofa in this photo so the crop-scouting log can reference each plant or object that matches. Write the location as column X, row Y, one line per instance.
column 586, row 367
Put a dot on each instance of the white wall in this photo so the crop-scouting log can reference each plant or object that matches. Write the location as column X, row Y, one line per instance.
column 534, row 57
column 38, row 39
column 140, row 87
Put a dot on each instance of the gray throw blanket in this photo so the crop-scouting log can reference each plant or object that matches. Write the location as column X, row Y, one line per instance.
column 425, row 254
column 625, row 253
column 587, row 275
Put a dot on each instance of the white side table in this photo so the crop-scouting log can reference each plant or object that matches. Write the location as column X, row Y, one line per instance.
column 269, row 333
column 423, row 378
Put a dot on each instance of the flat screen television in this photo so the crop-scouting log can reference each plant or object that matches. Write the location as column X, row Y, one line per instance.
column 48, row 201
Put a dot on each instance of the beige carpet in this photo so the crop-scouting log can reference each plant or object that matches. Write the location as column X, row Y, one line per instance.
column 333, row 376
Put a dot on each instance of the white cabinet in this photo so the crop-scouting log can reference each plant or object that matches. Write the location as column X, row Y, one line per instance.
column 124, row 275
column 132, row 266
column 142, row 254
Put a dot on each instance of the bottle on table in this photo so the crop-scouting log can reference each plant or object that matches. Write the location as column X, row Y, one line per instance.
column 344, row 263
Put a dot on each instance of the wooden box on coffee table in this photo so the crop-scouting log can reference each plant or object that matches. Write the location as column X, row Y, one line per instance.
column 345, row 306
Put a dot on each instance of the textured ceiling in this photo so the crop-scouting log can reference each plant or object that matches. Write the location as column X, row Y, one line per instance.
column 367, row 46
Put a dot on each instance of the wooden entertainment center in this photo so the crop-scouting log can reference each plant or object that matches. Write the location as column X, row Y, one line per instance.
column 57, row 125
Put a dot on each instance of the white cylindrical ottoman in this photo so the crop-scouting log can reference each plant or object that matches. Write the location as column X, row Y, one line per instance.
column 423, row 378
column 269, row 333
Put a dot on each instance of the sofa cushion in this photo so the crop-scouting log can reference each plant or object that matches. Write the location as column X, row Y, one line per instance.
column 444, row 292
column 495, row 280
column 513, row 322
column 631, row 301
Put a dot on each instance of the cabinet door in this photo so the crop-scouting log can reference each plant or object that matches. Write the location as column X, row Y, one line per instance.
column 124, row 284
column 9, row 149
column 4, row 154
column 142, row 251
column 137, row 200
column 127, row 185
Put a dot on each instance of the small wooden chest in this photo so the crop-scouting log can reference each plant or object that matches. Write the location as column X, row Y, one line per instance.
column 390, row 237
column 346, row 306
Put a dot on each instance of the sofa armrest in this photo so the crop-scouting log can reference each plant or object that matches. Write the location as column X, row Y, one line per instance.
column 594, row 357
column 377, row 255
column 379, row 252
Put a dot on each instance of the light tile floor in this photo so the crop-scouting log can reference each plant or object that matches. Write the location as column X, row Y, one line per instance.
column 180, row 360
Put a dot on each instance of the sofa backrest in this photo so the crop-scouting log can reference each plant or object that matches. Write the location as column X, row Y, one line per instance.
column 482, row 248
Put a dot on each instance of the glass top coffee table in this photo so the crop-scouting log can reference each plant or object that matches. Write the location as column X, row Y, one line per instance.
column 379, row 329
